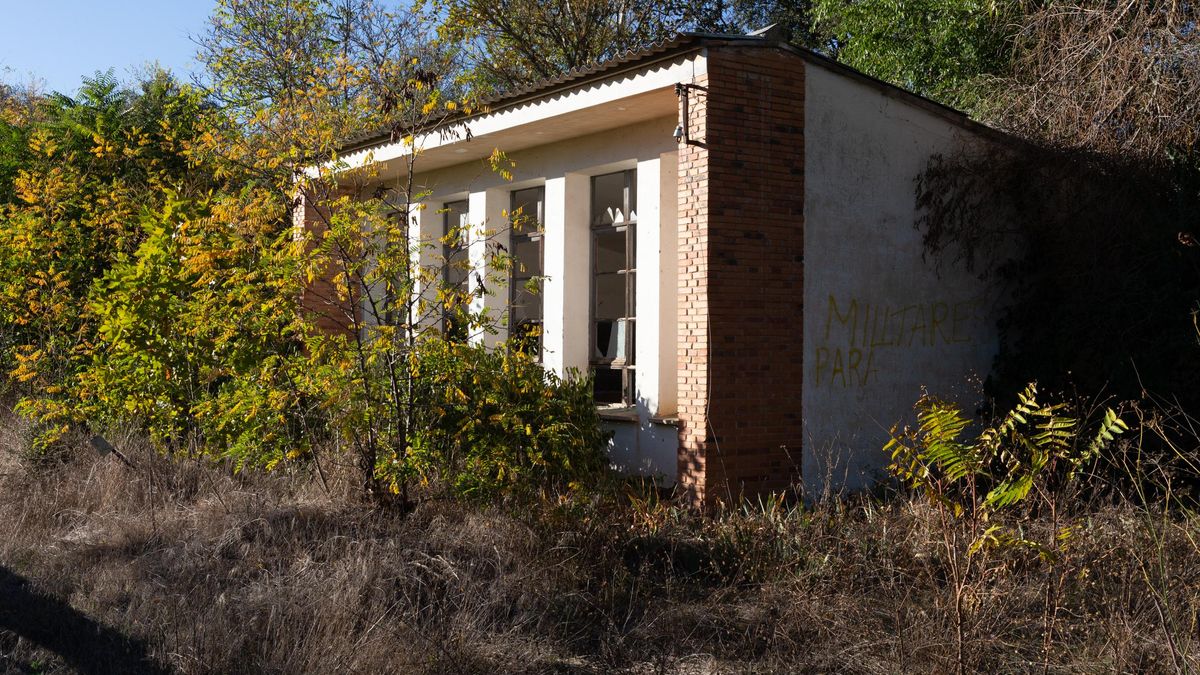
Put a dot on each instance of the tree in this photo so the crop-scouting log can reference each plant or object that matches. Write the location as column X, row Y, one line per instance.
column 796, row 17
column 1106, row 282
column 16, row 112
column 1114, row 77
column 512, row 43
column 945, row 49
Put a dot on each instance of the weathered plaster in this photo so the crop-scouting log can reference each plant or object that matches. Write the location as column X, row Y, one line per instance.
column 880, row 323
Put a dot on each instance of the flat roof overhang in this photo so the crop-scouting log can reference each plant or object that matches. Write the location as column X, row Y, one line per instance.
column 643, row 93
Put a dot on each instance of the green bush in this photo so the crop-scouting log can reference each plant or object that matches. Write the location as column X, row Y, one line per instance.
column 494, row 422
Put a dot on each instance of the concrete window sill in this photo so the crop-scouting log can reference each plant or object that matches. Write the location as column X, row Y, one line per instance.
column 630, row 414
column 618, row 414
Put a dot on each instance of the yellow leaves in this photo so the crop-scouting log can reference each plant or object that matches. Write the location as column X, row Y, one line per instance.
column 27, row 364
column 30, row 357
column 501, row 164
column 101, row 147
column 42, row 143
column 45, row 189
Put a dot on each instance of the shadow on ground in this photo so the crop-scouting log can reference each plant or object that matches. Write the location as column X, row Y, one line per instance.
column 81, row 642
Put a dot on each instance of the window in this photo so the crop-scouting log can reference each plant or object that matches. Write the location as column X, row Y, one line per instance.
column 456, row 267
column 524, row 294
column 614, row 274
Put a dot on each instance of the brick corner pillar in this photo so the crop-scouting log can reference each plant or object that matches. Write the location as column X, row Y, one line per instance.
column 741, row 276
column 319, row 299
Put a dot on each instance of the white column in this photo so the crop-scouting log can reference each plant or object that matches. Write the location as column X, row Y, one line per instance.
column 424, row 233
column 668, row 310
column 488, row 226
column 567, row 269
column 656, row 285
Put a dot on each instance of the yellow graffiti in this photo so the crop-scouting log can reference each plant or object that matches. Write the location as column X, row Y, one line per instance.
column 858, row 334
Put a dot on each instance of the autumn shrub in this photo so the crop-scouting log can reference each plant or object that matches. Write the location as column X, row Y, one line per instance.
column 93, row 170
column 199, row 327
column 146, row 279
column 494, row 421
column 984, row 489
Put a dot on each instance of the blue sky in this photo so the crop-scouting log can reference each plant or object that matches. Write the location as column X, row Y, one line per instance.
column 60, row 41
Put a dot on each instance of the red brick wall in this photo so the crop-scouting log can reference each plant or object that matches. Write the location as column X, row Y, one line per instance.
column 741, row 246
column 320, row 297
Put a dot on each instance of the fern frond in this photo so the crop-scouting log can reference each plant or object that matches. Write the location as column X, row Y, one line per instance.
column 941, row 427
column 1110, row 427
column 1010, row 491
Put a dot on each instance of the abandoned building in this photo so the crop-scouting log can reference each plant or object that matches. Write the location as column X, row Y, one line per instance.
column 727, row 242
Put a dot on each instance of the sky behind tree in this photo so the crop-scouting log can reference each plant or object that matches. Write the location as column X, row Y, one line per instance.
column 61, row 41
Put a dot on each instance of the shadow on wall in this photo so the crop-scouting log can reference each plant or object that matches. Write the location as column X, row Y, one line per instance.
column 86, row 645
column 640, row 445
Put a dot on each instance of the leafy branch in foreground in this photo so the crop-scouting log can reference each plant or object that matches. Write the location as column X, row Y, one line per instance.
column 1033, row 453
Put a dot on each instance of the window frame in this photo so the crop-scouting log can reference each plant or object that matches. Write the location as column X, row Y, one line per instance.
column 448, row 256
column 628, row 365
column 530, row 235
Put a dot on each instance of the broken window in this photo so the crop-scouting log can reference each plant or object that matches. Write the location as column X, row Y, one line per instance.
column 614, row 274
column 525, row 297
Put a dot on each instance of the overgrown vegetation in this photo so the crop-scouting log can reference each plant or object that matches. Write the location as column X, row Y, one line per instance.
column 207, row 572
column 1088, row 217
column 1031, row 456
column 153, row 273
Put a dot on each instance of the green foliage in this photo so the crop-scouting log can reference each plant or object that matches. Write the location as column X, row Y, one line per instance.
column 944, row 49
column 981, row 478
column 493, row 421
column 296, row 79
column 1089, row 226
column 1025, row 460
column 14, row 140
column 191, row 326
column 138, row 286
column 93, row 165
column 797, row 17
column 249, row 74
column 369, row 387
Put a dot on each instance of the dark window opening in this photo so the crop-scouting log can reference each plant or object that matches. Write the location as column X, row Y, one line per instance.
column 613, row 287
column 455, row 293
column 525, row 285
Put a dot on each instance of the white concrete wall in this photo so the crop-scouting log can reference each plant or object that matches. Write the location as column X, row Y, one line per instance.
column 646, row 448
column 879, row 323
column 565, row 169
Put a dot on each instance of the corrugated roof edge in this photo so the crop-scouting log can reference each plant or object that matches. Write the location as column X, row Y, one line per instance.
column 668, row 47
column 676, row 44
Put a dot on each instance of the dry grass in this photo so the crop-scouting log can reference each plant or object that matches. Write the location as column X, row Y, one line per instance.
column 179, row 566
